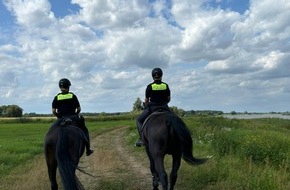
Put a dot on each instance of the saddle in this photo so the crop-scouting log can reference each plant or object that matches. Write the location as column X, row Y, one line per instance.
column 70, row 120
column 74, row 121
column 157, row 111
column 67, row 121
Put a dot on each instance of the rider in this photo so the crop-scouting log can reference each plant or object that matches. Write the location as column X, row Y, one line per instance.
column 157, row 95
column 66, row 104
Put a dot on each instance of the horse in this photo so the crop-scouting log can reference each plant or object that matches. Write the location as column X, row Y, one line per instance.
column 64, row 145
column 165, row 133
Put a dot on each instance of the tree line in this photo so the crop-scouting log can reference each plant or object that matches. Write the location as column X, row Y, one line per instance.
column 137, row 106
column 16, row 111
column 11, row 111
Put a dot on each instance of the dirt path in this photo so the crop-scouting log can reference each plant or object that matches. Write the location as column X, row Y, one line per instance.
column 111, row 162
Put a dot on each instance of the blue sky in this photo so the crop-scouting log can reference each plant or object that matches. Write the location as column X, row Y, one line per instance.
column 228, row 55
column 63, row 8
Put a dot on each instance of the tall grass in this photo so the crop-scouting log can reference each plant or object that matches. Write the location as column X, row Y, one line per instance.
column 246, row 154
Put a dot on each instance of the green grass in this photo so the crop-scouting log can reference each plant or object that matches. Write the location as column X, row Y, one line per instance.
column 247, row 154
column 21, row 141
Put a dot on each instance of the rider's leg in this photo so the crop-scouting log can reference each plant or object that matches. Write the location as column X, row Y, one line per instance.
column 87, row 136
column 139, row 124
column 139, row 142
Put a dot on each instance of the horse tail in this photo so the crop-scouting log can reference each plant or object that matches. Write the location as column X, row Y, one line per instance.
column 184, row 136
column 66, row 166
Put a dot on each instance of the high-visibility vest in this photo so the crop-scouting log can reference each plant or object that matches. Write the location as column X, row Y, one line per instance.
column 64, row 96
column 156, row 87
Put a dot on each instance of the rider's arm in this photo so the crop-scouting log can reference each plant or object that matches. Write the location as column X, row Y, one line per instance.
column 77, row 104
column 54, row 108
column 78, row 110
column 54, row 111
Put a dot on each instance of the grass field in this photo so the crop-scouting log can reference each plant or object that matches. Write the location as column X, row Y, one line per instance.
column 22, row 141
column 246, row 154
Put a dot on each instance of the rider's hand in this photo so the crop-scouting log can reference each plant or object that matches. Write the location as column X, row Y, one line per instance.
column 143, row 105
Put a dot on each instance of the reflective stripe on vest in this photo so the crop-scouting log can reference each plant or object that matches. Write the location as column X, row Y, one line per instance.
column 161, row 86
column 64, row 96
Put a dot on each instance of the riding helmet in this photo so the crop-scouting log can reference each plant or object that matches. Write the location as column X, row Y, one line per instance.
column 64, row 83
column 157, row 73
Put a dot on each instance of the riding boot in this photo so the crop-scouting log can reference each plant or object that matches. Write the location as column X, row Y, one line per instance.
column 139, row 142
column 88, row 146
column 87, row 136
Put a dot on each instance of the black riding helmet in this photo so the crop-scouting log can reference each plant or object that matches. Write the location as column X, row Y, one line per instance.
column 64, row 83
column 157, row 73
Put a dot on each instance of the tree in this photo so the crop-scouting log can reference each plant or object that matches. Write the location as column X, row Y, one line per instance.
column 177, row 111
column 233, row 112
column 2, row 110
column 137, row 106
column 11, row 111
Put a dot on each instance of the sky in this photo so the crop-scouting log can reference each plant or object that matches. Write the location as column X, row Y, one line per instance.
column 226, row 55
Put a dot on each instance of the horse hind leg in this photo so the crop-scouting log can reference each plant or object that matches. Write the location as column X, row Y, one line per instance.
column 155, row 181
column 164, row 180
column 155, row 177
column 52, row 175
column 159, row 166
column 176, row 160
column 51, row 164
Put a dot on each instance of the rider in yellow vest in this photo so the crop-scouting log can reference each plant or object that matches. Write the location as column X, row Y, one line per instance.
column 66, row 104
column 157, row 95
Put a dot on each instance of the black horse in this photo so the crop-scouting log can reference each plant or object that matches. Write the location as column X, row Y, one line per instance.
column 165, row 133
column 64, row 145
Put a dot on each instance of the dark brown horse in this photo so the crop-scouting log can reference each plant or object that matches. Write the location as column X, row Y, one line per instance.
column 64, row 145
column 165, row 133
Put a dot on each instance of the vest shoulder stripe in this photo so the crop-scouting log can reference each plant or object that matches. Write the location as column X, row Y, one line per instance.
column 64, row 96
column 161, row 86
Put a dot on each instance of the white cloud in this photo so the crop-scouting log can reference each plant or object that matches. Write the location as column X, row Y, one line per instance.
column 212, row 58
column 105, row 14
column 34, row 13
